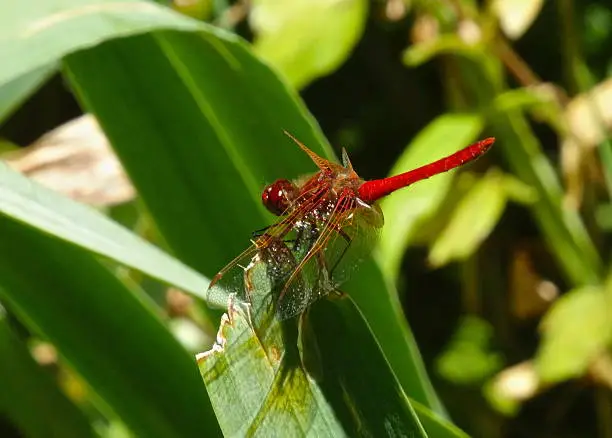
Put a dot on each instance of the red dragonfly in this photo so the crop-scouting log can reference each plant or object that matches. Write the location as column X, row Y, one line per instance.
column 329, row 221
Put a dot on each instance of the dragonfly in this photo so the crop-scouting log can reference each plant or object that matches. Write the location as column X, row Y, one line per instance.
column 328, row 223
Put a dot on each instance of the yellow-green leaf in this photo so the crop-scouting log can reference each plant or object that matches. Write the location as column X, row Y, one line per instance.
column 306, row 39
column 472, row 221
column 576, row 329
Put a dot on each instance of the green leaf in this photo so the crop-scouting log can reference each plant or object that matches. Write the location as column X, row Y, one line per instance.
column 39, row 207
column 472, row 221
column 36, row 34
column 468, row 359
column 256, row 389
column 518, row 191
column 355, row 376
column 276, row 392
column 576, row 329
column 436, row 426
column 305, row 49
column 199, row 9
column 30, row 398
column 7, row 146
column 385, row 316
column 406, row 209
column 106, row 333
column 18, row 90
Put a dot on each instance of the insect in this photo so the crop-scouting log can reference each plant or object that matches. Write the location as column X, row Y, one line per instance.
column 328, row 222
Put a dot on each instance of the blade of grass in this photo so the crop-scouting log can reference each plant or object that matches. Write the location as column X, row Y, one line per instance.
column 314, row 388
column 39, row 207
column 37, row 33
column 107, row 334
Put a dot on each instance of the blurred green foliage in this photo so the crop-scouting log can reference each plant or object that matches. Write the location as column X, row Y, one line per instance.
column 486, row 306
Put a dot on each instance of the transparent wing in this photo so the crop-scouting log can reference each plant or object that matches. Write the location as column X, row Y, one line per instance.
column 257, row 276
column 306, row 283
column 301, row 258
column 327, row 252
column 230, row 280
column 348, row 249
column 237, row 277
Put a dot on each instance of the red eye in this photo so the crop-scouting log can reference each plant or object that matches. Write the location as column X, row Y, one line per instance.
column 278, row 196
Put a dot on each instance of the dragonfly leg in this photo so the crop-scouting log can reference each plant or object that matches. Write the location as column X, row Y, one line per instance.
column 338, row 294
column 323, row 263
column 260, row 232
column 348, row 244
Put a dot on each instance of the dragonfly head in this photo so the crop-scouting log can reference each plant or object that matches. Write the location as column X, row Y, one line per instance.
column 278, row 196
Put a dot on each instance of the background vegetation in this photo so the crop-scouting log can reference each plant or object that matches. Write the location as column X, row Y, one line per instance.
column 487, row 305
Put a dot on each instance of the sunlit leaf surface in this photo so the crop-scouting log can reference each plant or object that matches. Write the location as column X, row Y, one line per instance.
column 303, row 48
column 471, row 222
column 28, row 27
column 39, row 207
column 575, row 331
column 275, row 377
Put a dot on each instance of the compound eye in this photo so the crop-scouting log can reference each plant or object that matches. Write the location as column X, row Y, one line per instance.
column 278, row 196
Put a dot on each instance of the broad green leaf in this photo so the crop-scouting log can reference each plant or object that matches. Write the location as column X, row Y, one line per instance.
column 30, row 398
column 306, row 39
column 378, row 301
column 575, row 331
column 36, row 34
column 315, row 390
column 209, row 138
column 367, row 398
column 257, row 387
column 14, row 93
column 407, row 208
column 106, row 333
column 39, row 207
column 472, row 221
